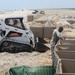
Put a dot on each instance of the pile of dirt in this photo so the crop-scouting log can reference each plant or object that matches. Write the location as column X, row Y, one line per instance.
column 69, row 33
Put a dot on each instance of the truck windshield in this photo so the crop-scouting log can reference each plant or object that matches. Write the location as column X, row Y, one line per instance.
column 14, row 22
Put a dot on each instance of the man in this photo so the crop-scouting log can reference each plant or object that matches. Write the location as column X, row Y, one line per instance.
column 15, row 23
column 56, row 35
column 7, row 21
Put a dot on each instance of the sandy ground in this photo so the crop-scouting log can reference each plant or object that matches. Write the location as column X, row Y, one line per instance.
column 8, row 60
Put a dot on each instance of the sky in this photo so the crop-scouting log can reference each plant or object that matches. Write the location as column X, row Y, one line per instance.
column 35, row 4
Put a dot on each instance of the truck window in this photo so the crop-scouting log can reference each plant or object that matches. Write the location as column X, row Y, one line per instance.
column 14, row 22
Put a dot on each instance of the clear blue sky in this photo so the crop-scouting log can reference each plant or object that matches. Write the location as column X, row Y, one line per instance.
column 35, row 4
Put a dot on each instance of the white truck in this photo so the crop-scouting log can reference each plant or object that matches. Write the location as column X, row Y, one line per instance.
column 14, row 35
